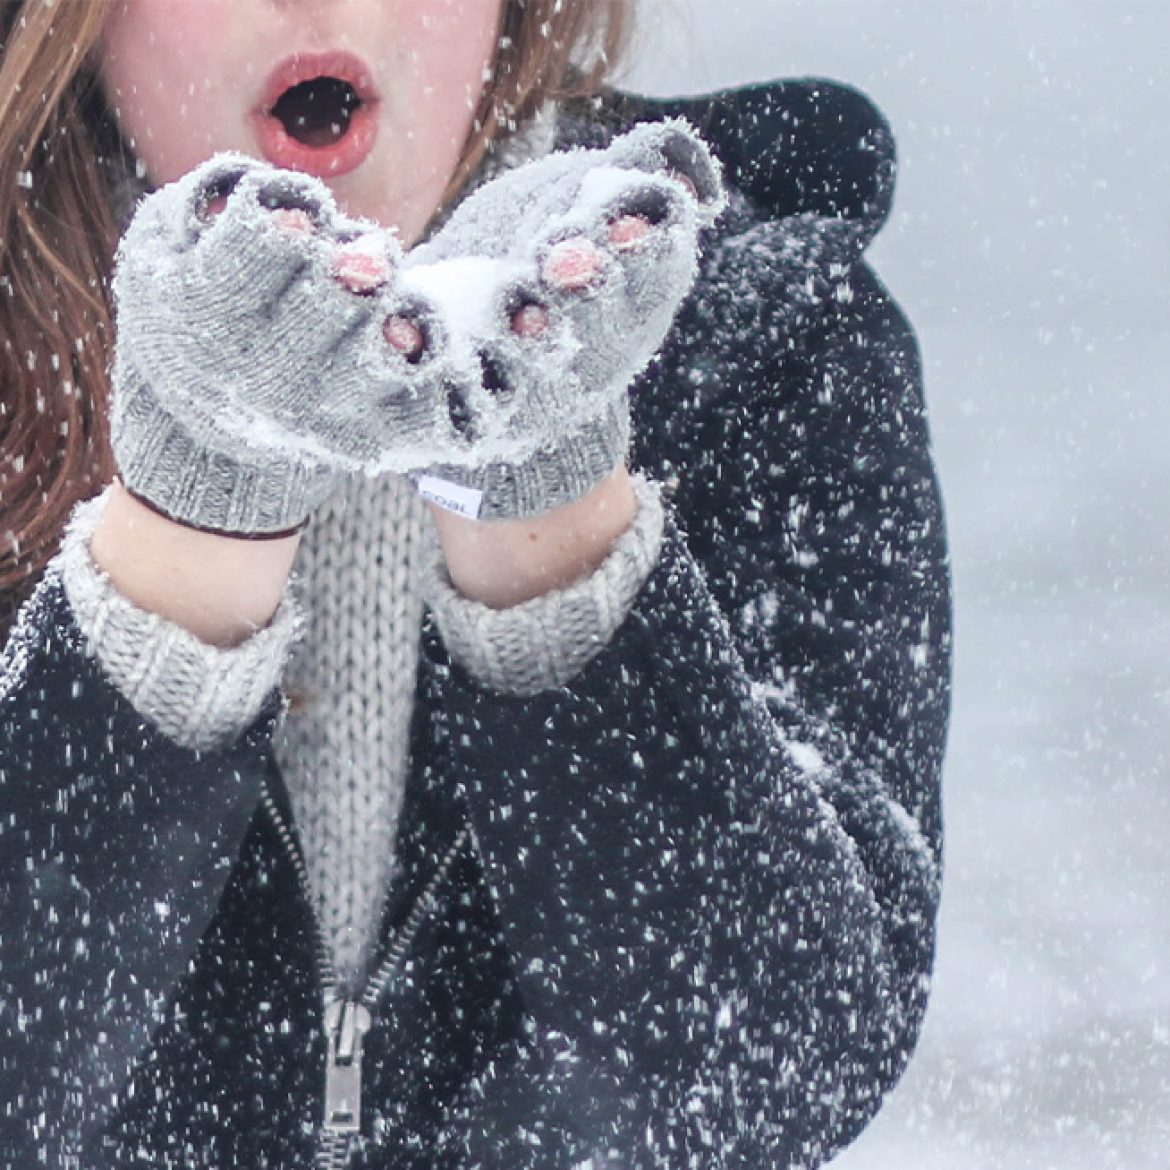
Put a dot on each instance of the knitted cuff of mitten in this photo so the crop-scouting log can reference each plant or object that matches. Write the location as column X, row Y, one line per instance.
column 542, row 643
column 199, row 695
column 550, row 477
column 161, row 462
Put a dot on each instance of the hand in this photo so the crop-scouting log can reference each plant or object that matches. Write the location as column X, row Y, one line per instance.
column 556, row 284
column 265, row 349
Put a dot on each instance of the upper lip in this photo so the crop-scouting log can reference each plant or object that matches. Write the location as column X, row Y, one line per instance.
column 300, row 67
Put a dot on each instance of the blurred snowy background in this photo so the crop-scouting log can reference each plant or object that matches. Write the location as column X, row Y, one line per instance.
column 1030, row 244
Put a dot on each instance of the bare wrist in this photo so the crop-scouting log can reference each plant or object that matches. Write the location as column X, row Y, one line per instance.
column 219, row 588
column 505, row 562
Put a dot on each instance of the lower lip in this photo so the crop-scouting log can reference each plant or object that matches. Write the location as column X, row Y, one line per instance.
column 326, row 162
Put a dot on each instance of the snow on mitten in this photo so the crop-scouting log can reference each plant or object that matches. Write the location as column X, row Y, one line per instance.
column 558, row 282
column 265, row 349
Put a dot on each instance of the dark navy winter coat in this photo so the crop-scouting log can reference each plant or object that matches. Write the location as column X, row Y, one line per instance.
column 679, row 913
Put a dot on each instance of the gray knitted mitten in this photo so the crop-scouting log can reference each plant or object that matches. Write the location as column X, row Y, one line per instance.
column 257, row 360
column 557, row 283
column 268, row 346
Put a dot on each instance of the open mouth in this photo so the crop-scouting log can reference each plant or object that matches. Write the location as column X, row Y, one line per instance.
column 318, row 115
column 317, row 112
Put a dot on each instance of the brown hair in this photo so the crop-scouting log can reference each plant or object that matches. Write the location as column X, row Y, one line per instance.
column 60, row 157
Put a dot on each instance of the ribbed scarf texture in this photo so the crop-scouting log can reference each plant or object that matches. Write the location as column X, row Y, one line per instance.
column 343, row 747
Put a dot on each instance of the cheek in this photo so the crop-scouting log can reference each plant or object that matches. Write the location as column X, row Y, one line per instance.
column 161, row 66
column 447, row 46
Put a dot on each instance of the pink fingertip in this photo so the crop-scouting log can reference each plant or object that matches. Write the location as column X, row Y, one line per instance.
column 628, row 230
column 687, row 183
column 571, row 264
column 530, row 321
column 361, row 271
column 404, row 335
column 213, row 207
column 295, row 220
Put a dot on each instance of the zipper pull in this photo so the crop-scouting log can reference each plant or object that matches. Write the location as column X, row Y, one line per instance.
column 345, row 1025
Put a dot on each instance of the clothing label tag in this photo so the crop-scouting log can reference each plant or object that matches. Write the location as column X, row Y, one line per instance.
column 453, row 496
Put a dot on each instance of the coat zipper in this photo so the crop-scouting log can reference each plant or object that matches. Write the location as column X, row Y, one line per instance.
column 347, row 1020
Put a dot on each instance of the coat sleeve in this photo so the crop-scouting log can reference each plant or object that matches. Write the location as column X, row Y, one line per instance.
column 715, row 852
column 115, row 844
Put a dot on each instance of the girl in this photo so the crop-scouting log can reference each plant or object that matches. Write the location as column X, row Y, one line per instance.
column 576, row 804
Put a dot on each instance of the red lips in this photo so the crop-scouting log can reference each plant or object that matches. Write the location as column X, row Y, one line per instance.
column 325, row 161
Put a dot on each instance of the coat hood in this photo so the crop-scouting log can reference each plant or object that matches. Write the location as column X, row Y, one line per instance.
column 808, row 147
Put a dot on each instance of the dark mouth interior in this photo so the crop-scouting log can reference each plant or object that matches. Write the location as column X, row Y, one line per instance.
column 317, row 112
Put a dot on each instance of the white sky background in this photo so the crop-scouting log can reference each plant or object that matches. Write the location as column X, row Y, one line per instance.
column 1030, row 244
